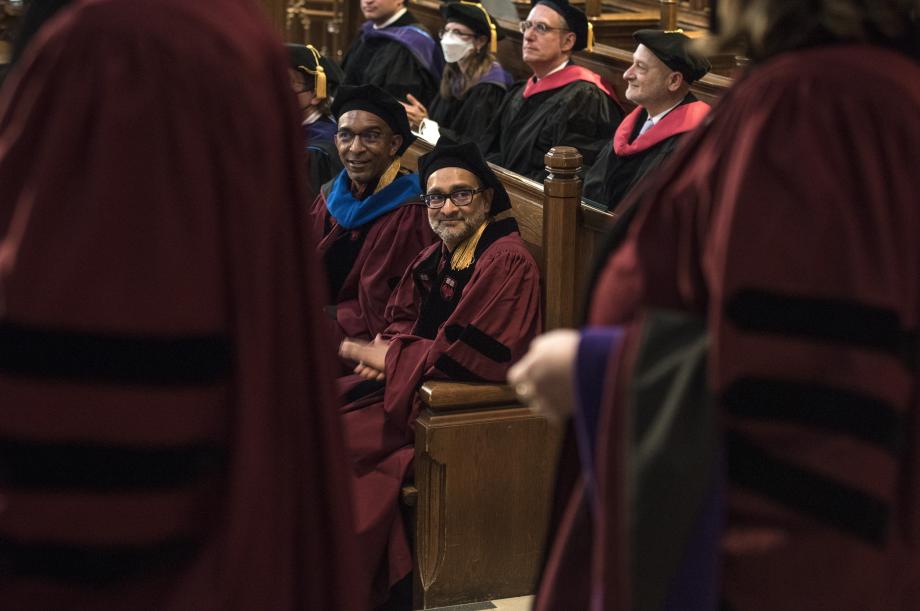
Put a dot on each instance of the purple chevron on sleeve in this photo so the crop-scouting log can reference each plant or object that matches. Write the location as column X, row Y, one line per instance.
column 419, row 42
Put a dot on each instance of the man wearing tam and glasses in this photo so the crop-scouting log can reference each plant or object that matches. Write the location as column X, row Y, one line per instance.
column 561, row 104
column 465, row 310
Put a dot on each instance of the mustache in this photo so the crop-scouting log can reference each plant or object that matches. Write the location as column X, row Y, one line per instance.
column 443, row 217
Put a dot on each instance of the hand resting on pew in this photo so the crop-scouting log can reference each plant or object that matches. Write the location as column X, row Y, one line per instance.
column 370, row 356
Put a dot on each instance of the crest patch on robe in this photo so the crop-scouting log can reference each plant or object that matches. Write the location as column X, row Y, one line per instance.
column 447, row 288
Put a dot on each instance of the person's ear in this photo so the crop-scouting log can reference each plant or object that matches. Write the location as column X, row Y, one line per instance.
column 675, row 80
column 395, row 142
column 568, row 42
column 487, row 196
column 481, row 41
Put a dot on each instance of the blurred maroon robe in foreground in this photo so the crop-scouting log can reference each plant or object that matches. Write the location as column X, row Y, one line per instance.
column 168, row 432
column 790, row 223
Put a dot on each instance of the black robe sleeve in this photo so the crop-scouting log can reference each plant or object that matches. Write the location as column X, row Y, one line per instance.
column 390, row 66
column 323, row 164
column 467, row 120
column 612, row 177
column 578, row 115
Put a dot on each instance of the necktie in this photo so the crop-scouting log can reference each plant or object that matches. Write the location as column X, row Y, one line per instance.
column 647, row 126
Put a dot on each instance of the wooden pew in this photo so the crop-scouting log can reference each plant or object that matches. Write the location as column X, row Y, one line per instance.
column 484, row 464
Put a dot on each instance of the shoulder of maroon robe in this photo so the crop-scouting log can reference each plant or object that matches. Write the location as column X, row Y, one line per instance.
column 168, row 432
column 806, row 263
column 390, row 245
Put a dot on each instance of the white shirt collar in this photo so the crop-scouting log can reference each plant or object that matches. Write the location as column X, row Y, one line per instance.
column 564, row 63
column 392, row 19
column 313, row 117
column 661, row 115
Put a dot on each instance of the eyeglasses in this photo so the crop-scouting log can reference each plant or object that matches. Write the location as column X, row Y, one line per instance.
column 368, row 138
column 457, row 33
column 540, row 27
column 460, row 197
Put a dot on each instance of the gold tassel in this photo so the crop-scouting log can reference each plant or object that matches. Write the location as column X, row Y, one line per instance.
column 590, row 45
column 493, row 41
column 319, row 90
column 388, row 176
column 463, row 255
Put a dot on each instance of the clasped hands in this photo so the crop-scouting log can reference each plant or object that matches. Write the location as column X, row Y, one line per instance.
column 370, row 356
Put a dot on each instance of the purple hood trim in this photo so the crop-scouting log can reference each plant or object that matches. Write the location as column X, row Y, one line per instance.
column 414, row 38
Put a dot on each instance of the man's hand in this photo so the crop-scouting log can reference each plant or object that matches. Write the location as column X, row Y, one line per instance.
column 371, row 356
column 544, row 378
column 415, row 111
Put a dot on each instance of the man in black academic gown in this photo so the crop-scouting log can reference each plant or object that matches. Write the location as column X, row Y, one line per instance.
column 658, row 82
column 315, row 79
column 394, row 52
column 561, row 104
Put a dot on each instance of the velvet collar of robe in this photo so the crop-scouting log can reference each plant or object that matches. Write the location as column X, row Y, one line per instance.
column 497, row 76
column 680, row 120
column 350, row 212
column 429, row 268
column 415, row 39
column 567, row 75
column 323, row 129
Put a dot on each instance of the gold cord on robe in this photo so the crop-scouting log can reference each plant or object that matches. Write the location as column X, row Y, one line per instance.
column 462, row 256
column 388, row 176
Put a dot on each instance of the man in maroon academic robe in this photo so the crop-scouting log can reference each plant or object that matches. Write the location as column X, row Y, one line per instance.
column 369, row 216
column 658, row 82
column 168, row 433
column 465, row 310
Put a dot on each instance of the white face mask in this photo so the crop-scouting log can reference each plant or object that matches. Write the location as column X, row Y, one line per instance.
column 455, row 48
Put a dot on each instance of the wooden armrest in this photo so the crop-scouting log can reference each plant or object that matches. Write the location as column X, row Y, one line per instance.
column 443, row 396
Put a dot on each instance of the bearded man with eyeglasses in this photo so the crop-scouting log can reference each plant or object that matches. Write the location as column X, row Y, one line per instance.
column 369, row 219
column 465, row 310
column 561, row 104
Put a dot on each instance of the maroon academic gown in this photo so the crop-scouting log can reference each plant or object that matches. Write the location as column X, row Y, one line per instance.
column 469, row 325
column 389, row 245
column 168, row 433
column 790, row 225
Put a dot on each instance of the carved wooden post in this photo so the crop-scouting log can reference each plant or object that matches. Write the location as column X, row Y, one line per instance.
column 561, row 215
column 668, row 14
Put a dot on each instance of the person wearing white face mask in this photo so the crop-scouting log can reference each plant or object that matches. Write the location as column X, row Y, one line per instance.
column 473, row 84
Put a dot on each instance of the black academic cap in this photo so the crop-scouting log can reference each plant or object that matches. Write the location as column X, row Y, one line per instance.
column 447, row 154
column 674, row 49
column 305, row 59
column 575, row 19
column 474, row 16
column 376, row 101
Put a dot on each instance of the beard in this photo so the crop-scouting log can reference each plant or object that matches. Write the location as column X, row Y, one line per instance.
column 457, row 233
